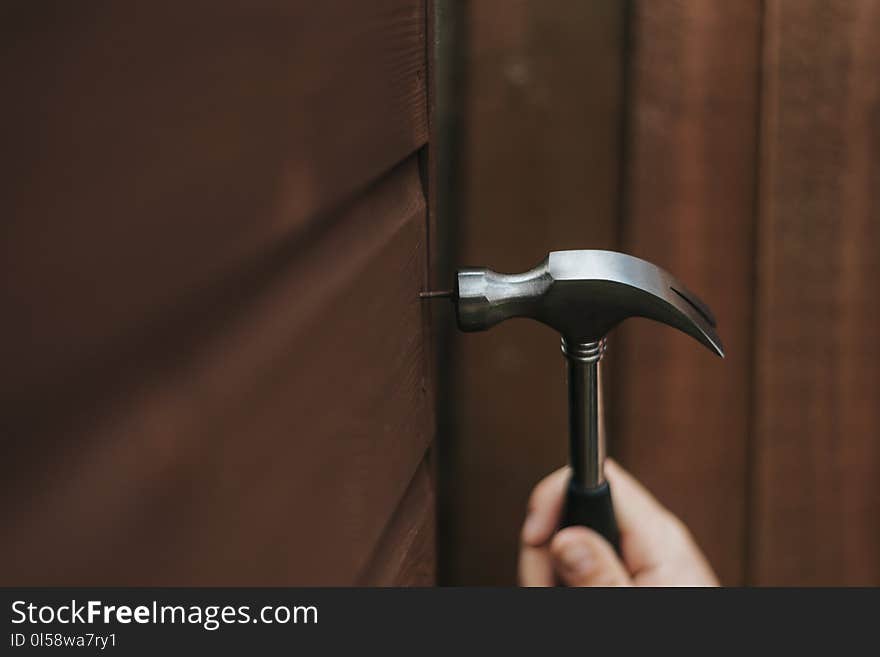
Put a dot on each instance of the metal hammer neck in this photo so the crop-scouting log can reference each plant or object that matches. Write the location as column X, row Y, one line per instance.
column 585, row 416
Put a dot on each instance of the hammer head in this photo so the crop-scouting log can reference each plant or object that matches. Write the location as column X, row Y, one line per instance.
column 583, row 295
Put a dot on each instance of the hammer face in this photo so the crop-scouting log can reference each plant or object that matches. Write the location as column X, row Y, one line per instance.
column 583, row 294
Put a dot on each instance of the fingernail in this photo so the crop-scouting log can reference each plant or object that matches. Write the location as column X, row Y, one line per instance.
column 576, row 558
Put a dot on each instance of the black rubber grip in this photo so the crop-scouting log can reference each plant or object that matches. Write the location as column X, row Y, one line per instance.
column 591, row 507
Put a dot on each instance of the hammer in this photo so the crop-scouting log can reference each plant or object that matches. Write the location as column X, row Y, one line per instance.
column 583, row 295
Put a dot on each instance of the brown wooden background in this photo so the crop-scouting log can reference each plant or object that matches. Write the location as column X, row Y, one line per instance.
column 217, row 217
column 736, row 144
column 214, row 360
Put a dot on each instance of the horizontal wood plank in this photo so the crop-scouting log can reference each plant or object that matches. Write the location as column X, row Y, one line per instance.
column 271, row 447
column 153, row 150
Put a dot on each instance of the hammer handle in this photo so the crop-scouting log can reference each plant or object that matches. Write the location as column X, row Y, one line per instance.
column 591, row 507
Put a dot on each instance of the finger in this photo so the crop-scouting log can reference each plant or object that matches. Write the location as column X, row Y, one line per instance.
column 535, row 567
column 545, row 508
column 583, row 558
column 637, row 502
column 646, row 526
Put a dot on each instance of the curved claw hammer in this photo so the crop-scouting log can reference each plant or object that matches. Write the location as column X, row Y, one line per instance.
column 583, row 295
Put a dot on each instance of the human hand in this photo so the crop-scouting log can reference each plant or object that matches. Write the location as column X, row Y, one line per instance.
column 658, row 550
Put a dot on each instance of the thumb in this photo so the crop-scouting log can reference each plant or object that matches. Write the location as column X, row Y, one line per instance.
column 583, row 558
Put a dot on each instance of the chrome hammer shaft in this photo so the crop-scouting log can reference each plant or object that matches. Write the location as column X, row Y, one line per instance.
column 586, row 420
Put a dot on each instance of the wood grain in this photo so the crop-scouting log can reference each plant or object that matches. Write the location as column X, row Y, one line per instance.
column 540, row 165
column 680, row 417
column 405, row 556
column 817, row 458
column 268, row 440
column 153, row 152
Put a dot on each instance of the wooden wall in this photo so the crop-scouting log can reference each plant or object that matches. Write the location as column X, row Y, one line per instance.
column 748, row 167
column 215, row 363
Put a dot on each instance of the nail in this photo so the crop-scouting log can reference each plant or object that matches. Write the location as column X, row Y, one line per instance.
column 436, row 294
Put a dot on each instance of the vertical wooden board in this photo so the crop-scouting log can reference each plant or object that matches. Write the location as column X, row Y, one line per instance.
column 540, row 167
column 817, row 458
column 680, row 416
